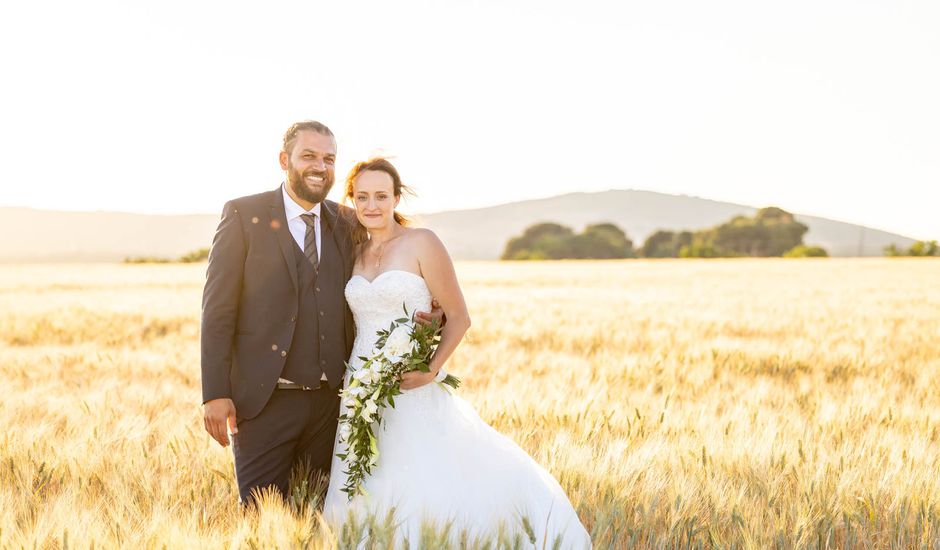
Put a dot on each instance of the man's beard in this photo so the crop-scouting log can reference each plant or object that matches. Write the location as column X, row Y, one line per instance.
column 296, row 181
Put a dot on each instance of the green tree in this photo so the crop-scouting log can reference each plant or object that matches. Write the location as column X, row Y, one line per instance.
column 771, row 232
column 919, row 248
column 661, row 244
column 665, row 244
column 602, row 241
column 698, row 250
column 893, row 250
column 804, row 251
column 924, row 248
column 199, row 255
column 551, row 240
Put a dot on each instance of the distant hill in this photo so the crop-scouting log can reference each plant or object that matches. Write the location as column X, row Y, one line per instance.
column 482, row 233
column 32, row 235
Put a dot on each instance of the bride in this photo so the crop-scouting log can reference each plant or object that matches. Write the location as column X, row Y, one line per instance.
column 439, row 463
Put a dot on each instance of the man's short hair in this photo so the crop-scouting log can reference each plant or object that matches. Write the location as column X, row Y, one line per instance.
column 290, row 136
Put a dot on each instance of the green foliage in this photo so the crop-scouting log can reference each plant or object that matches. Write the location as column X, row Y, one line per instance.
column 665, row 244
column 920, row 249
column 146, row 260
column 698, row 251
column 542, row 241
column 551, row 241
column 771, row 232
column 199, row 255
column 804, row 251
column 893, row 250
column 602, row 241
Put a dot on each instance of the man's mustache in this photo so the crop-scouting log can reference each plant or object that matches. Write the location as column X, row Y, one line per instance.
column 325, row 175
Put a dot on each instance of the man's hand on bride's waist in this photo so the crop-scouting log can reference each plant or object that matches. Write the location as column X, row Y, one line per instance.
column 428, row 317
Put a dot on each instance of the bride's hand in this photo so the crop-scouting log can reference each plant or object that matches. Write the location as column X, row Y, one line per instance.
column 416, row 379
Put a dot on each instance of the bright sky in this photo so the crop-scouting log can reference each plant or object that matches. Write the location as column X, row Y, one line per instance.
column 822, row 107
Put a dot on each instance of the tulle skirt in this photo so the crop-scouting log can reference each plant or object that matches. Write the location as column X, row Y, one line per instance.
column 441, row 465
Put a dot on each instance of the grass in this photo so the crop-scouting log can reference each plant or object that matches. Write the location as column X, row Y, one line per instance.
column 681, row 404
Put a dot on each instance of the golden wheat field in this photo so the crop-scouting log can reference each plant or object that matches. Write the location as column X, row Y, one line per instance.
column 681, row 403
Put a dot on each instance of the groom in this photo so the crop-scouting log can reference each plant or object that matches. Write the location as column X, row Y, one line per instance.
column 276, row 329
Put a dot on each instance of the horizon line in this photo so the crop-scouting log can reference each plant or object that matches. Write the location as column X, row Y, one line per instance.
column 476, row 208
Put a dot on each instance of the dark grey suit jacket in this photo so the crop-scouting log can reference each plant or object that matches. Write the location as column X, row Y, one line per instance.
column 251, row 297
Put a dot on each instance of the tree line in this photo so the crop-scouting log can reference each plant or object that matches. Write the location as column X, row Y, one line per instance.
column 770, row 232
column 919, row 248
column 199, row 255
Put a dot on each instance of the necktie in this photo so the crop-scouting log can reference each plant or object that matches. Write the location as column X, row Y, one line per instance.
column 310, row 240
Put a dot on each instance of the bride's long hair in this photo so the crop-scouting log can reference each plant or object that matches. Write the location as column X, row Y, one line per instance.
column 376, row 164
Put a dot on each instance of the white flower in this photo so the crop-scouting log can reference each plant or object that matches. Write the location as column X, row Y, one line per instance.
column 344, row 431
column 364, row 375
column 358, row 391
column 380, row 367
column 398, row 343
column 351, row 402
column 370, row 406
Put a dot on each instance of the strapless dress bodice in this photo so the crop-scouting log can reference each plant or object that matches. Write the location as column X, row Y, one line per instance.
column 376, row 303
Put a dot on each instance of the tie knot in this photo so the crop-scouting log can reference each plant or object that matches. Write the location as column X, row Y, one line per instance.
column 309, row 218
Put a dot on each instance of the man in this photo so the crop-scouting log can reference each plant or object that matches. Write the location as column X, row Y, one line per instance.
column 276, row 329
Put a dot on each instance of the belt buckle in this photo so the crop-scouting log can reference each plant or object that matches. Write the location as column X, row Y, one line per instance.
column 296, row 386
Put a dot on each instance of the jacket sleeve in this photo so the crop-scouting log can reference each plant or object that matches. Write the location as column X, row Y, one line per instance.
column 220, row 304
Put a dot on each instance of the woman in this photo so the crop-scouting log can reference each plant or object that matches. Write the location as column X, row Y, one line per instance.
column 439, row 463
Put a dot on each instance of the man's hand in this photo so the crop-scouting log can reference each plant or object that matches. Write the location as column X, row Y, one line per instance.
column 220, row 415
column 416, row 379
column 426, row 318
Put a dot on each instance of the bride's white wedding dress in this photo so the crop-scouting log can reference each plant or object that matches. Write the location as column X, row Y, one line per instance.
column 438, row 460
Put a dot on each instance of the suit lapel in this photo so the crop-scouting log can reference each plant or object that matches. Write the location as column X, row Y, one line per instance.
column 278, row 223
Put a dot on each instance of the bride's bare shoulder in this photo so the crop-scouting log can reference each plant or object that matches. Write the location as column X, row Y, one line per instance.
column 425, row 241
column 422, row 236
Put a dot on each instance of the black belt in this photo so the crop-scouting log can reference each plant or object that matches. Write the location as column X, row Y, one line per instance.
column 293, row 386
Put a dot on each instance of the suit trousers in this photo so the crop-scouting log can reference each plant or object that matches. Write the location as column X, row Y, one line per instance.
column 295, row 426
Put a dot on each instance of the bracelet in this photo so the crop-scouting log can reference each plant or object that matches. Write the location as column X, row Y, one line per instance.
column 441, row 375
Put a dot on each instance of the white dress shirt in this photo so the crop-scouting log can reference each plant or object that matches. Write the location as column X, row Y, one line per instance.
column 298, row 230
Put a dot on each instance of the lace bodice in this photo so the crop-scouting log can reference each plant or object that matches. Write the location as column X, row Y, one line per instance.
column 377, row 303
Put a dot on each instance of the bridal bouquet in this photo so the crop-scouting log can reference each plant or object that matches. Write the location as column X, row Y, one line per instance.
column 404, row 347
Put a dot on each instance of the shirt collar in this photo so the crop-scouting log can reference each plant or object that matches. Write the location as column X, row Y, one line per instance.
column 292, row 209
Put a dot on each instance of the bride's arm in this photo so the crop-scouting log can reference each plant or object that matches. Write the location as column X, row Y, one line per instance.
column 438, row 272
